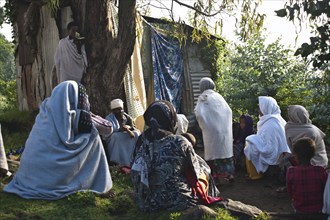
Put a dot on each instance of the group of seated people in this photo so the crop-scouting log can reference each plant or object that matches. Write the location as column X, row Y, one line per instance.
column 296, row 146
column 65, row 153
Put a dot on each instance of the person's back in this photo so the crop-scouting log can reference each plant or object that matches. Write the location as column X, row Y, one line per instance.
column 305, row 182
column 63, row 153
column 299, row 125
column 169, row 157
column 165, row 165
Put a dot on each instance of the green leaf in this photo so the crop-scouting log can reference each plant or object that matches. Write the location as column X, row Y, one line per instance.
column 306, row 49
column 281, row 13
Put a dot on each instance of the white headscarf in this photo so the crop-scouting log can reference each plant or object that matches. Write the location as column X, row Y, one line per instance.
column 266, row 147
column 270, row 109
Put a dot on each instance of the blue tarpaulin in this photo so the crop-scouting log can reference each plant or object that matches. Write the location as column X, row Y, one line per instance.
column 167, row 60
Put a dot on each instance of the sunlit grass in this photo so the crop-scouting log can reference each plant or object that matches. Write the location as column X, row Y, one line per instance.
column 81, row 205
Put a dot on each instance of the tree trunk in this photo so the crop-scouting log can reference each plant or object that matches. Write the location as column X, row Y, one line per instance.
column 37, row 38
column 108, row 52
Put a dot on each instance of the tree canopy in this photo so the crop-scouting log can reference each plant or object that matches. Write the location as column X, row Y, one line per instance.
column 257, row 69
column 317, row 12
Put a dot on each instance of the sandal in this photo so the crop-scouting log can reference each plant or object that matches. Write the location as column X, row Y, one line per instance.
column 281, row 189
column 230, row 178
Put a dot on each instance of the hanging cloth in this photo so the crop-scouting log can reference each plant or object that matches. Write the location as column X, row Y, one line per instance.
column 167, row 60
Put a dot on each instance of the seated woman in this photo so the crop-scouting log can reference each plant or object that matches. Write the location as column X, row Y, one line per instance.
column 165, row 170
column 298, row 126
column 120, row 145
column 245, row 128
column 266, row 147
column 64, row 152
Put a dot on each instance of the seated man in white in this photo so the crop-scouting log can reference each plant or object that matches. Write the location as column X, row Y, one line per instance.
column 120, row 145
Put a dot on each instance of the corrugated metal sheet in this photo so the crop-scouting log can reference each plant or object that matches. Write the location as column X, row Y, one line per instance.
column 195, row 78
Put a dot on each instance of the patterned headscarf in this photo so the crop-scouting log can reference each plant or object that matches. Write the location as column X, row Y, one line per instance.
column 161, row 115
column 206, row 83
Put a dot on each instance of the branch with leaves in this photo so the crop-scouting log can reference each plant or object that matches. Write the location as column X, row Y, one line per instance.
column 317, row 13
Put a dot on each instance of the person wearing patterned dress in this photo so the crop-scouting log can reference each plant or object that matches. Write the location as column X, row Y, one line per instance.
column 166, row 172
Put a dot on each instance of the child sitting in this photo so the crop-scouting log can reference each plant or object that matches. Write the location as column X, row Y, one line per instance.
column 305, row 182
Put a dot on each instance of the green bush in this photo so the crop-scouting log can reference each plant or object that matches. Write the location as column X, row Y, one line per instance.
column 257, row 69
column 15, row 128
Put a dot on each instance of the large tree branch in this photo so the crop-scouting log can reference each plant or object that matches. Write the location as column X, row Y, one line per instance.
column 195, row 9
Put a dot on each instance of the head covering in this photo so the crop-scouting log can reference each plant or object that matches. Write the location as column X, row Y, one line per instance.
column 248, row 123
column 298, row 114
column 117, row 103
column 268, row 105
column 298, row 126
column 161, row 115
column 60, row 157
column 206, row 83
column 266, row 147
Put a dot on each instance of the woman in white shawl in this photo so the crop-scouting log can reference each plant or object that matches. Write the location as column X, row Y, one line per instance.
column 298, row 126
column 63, row 153
column 266, row 147
column 214, row 117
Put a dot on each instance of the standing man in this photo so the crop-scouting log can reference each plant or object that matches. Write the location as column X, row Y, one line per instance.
column 70, row 56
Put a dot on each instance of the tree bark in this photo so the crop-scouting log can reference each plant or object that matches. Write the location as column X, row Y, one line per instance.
column 108, row 53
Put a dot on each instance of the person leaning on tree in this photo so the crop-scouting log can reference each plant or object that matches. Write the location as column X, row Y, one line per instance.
column 70, row 56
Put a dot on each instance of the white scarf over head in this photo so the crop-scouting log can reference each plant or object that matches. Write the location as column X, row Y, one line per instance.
column 266, row 147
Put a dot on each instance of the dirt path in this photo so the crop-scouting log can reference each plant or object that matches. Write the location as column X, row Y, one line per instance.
column 260, row 193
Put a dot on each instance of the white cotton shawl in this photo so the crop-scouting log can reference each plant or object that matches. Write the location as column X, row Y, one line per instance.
column 57, row 161
column 70, row 65
column 214, row 117
column 182, row 124
column 266, row 147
